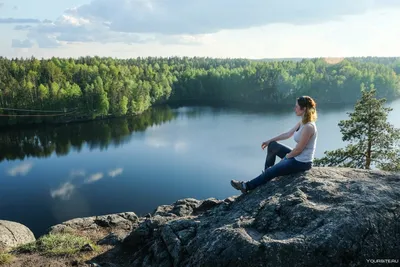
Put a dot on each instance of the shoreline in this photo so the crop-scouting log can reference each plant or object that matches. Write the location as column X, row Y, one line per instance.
column 242, row 105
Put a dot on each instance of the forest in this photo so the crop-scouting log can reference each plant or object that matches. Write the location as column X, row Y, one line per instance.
column 66, row 89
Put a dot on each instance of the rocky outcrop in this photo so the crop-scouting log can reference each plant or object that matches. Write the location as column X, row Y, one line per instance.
column 13, row 234
column 106, row 229
column 322, row 217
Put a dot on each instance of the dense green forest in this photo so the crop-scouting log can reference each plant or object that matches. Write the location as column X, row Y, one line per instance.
column 59, row 90
column 394, row 62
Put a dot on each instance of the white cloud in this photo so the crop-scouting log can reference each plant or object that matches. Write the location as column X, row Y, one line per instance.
column 209, row 16
column 64, row 191
column 94, row 178
column 116, row 172
column 21, row 169
column 70, row 20
column 14, row 20
column 21, row 44
column 48, row 41
column 184, row 39
column 22, row 27
column 72, row 29
column 186, row 22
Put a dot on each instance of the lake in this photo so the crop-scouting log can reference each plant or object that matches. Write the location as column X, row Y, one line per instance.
column 51, row 174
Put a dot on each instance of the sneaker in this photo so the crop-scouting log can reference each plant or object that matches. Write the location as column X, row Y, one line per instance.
column 238, row 185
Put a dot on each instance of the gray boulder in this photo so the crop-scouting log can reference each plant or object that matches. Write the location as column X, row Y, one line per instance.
column 322, row 217
column 13, row 234
column 100, row 228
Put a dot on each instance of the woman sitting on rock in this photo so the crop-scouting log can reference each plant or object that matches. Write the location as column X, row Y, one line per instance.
column 296, row 160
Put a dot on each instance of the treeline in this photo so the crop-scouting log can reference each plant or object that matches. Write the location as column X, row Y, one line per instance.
column 282, row 81
column 42, row 142
column 91, row 87
column 393, row 62
column 83, row 88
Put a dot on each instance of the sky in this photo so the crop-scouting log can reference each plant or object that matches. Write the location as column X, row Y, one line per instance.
column 207, row 28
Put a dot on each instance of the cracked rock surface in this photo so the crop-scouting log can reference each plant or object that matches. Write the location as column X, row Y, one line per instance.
column 322, row 217
column 105, row 229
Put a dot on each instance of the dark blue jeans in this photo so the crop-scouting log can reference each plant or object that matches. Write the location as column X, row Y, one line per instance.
column 284, row 167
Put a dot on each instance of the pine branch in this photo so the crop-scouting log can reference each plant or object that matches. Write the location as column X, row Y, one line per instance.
column 368, row 132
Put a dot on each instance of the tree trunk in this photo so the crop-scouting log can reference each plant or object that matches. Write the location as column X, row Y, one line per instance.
column 368, row 159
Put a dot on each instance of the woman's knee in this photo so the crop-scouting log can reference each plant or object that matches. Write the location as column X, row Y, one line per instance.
column 272, row 145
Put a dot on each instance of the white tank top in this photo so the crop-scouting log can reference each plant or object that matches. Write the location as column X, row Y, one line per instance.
column 307, row 155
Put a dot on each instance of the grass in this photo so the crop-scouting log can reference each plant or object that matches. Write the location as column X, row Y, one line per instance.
column 58, row 245
column 5, row 258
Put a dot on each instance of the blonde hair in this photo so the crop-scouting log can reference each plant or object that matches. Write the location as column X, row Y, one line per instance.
column 310, row 113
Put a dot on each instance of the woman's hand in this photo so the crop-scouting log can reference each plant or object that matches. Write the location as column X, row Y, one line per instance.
column 265, row 144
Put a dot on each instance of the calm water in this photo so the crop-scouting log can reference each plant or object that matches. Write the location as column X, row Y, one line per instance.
column 49, row 175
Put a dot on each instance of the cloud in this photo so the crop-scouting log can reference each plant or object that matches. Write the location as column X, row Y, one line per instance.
column 64, row 191
column 47, row 41
column 22, row 27
column 14, row 20
column 21, row 169
column 156, row 142
column 185, row 22
column 116, row 172
column 77, row 173
column 94, row 178
column 178, row 146
column 184, row 39
column 209, row 16
column 21, row 44
column 67, row 29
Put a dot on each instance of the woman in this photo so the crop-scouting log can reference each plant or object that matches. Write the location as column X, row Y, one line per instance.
column 296, row 160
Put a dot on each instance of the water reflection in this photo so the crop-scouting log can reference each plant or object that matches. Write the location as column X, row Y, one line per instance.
column 153, row 141
column 42, row 142
column 21, row 169
column 77, row 173
column 64, row 192
column 94, row 178
column 79, row 178
column 116, row 172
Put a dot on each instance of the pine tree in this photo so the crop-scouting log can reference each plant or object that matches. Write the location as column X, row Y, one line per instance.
column 373, row 141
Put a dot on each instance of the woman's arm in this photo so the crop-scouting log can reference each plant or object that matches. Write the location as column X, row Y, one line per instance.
column 280, row 137
column 306, row 134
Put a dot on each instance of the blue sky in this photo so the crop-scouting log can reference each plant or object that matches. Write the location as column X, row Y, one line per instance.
column 215, row 28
